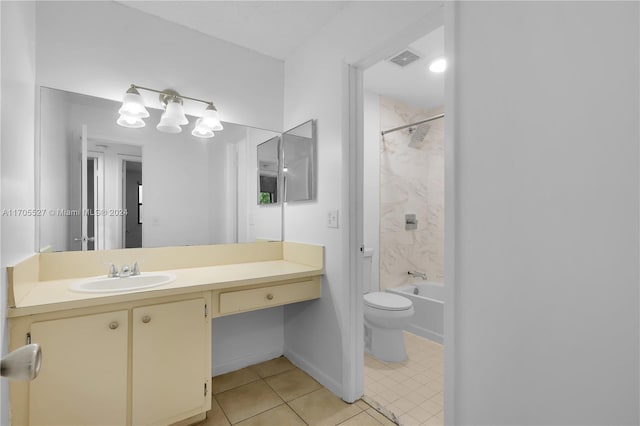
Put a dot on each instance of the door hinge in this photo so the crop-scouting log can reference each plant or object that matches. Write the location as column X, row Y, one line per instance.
column 206, row 311
column 205, row 388
column 28, row 338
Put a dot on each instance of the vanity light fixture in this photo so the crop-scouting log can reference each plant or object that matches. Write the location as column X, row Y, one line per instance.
column 208, row 123
column 133, row 111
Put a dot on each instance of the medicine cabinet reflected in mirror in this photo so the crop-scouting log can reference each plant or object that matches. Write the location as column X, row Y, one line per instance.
column 103, row 186
column 299, row 162
column 268, row 176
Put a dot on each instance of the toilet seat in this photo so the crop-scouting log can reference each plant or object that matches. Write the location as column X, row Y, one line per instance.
column 387, row 301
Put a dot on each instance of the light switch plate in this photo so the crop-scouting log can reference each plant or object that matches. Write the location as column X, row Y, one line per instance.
column 332, row 219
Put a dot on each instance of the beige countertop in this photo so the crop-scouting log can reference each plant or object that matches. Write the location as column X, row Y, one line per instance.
column 54, row 295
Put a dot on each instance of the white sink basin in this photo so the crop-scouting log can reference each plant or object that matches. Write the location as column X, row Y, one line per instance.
column 114, row 285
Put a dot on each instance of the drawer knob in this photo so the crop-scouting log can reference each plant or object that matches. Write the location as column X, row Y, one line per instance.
column 113, row 325
column 146, row 319
column 269, row 296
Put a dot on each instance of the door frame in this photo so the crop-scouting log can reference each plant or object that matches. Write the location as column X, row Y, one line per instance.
column 122, row 178
column 98, row 197
column 353, row 343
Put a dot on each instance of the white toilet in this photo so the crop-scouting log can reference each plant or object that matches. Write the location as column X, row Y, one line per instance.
column 385, row 316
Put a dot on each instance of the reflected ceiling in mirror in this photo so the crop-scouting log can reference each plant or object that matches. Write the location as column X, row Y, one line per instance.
column 93, row 173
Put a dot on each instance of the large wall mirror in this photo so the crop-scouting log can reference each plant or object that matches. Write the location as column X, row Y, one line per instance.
column 102, row 186
column 299, row 162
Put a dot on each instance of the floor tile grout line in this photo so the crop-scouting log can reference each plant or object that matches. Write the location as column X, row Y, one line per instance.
column 299, row 396
column 235, row 387
column 222, row 409
column 356, row 414
column 296, row 413
column 257, row 414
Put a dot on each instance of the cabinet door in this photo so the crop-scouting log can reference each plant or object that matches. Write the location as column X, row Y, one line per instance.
column 171, row 367
column 83, row 379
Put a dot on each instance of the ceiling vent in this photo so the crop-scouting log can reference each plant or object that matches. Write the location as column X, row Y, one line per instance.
column 404, row 58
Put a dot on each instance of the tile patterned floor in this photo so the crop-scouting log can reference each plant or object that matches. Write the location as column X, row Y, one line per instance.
column 277, row 393
column 411, row 390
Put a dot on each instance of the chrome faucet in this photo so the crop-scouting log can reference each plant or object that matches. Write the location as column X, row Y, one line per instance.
column 125, row 272
column 418, row 274
column 135, row 269
column 113, row 271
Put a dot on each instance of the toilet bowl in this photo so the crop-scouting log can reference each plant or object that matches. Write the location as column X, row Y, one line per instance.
column 385, row 316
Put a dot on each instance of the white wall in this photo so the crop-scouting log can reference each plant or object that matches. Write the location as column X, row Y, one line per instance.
column 54, row 128
column 246, row 339
column 223, row 186
column 100, row 48
column 314, row 84
column 17, row 149
column 547, row 192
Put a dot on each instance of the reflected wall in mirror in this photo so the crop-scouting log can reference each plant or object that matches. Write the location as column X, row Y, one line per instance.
column 196, row 191
column 268, row 167
column 299, row 168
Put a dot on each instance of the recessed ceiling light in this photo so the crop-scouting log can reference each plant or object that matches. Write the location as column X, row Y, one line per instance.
column 438, row 65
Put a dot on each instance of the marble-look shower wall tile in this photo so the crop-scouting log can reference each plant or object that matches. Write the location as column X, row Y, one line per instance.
column 411, row 182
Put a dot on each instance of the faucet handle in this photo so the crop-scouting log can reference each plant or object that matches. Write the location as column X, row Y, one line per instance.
column 113, row 271
column 135, row 269
column 125, row 271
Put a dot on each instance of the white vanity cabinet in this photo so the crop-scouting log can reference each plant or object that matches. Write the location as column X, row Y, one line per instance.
column 171, row 365
column 145, row 365
column 140, row 357
column 84, row 379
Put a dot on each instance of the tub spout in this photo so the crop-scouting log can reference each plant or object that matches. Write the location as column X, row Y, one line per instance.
column 418, row 274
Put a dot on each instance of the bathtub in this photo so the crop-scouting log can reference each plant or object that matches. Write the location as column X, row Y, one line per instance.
column 429, row 306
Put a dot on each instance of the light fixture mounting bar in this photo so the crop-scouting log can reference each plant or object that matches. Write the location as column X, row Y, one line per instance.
column 171, row 93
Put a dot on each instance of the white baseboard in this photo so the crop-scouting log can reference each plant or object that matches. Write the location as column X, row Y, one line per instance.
column 244, row 361
column 423, row 332
column 314, row 372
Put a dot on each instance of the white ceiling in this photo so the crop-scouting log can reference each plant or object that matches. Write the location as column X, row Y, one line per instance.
column 273, row 28
column 278, row 28
column 413, row 84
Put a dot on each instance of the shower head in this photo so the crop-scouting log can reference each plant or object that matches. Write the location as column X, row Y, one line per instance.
column 418, row 134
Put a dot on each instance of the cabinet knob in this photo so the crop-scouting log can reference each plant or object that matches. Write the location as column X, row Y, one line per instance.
column 269, row 296
column 113, row 325
column 146, row 319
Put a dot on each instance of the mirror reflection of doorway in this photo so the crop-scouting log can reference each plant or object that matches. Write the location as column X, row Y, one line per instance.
column 132, row 197
column 90, row 238
column 92, row 193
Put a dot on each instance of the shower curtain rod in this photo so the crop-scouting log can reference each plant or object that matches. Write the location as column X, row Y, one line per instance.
column 435, row 117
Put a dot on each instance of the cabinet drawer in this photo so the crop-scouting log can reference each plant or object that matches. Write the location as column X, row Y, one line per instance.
column 265, row 297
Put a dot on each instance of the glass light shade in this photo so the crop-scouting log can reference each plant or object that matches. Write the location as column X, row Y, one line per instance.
column 130, row 121
column 168, row 125
column 201, row 131
column 133, row 105
column 210, row 119
column 175, row 113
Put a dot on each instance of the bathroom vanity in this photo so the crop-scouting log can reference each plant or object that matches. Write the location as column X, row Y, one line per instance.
column 143, row 356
